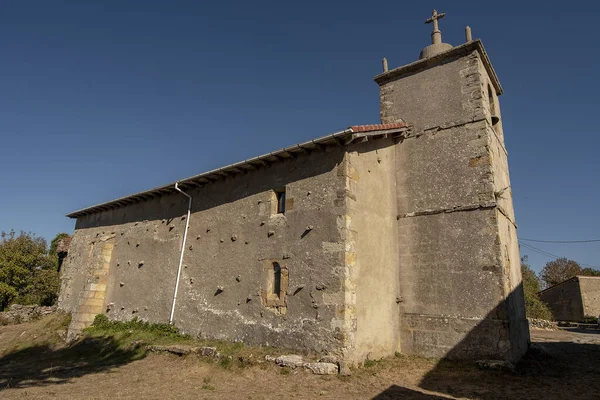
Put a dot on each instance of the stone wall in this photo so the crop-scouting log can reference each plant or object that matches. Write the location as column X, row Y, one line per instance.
column 574, row 299
column 590, row 295
column 564, row 301
column 18, row 314
column 537, row 323
column 443, row 94
column 124, row 261
column 373, row 270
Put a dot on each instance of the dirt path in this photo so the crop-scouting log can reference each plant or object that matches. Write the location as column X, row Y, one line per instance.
column 168, row 376
column 566, row 365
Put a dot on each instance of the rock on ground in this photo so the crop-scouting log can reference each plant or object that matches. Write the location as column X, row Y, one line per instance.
column 291, row 361
column 322, row 368
column 537, row 323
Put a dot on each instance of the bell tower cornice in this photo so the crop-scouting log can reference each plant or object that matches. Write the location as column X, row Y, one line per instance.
column 440, row 58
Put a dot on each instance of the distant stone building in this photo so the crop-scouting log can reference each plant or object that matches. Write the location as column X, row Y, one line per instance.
column 381, row 238
column 574, row 299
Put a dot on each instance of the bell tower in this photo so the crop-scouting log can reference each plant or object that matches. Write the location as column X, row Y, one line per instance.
column 459, row 270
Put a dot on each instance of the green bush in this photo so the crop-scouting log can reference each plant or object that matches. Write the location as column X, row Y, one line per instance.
column 534, row 306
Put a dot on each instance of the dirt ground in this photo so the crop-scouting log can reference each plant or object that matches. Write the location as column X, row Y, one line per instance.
column 563, row 364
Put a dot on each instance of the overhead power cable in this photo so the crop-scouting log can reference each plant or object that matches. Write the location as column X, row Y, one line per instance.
column 560, row 241
column 545, row 253
column 538, row 250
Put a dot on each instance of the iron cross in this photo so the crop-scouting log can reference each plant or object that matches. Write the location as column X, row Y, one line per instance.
column 434, row 18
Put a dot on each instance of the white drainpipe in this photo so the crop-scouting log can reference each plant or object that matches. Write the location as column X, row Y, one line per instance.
column 187, row 224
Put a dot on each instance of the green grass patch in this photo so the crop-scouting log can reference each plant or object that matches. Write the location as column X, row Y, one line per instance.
column 136, row 333
column 226, row 362
column 206, row 384
column 285, row 371
column 103, row 325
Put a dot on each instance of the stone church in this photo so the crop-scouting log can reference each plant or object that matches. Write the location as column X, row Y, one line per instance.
column 393, row 237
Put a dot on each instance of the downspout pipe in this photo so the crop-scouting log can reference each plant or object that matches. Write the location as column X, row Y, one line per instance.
column 187, row 224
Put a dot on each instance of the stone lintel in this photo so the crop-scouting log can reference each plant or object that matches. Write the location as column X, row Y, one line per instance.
column 458, row 51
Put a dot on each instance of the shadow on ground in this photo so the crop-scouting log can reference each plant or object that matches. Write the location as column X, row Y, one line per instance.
column 583, row 330
column 399, row 392
column 42, row 365
column 551, row 370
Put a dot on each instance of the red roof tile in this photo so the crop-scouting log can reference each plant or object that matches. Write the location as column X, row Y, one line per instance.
column 377, row 127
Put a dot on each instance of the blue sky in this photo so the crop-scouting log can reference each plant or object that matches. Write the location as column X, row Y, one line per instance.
column 100, row 99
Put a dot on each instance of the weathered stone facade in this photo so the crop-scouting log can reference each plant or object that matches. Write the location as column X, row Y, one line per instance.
column 574, row 299
column 387, row 238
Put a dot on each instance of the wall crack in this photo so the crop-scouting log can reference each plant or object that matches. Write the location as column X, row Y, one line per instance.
column 472, row 207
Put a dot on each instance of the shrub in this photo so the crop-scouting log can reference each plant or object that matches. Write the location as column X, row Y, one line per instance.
column 534, row 306
column 102, row 323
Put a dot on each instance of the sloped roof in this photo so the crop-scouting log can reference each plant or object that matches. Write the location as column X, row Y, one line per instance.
column 558, row 284
column 348, row 136
column 569, row 280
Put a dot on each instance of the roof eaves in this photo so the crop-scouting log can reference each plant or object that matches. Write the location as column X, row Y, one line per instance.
column 559, row 284
column 342, row 138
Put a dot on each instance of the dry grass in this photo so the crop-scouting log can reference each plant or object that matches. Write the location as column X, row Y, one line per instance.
column 36, row 364
column 49, row 331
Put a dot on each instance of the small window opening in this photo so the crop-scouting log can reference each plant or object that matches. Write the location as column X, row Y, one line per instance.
column 280, row 195
column 492, row 103
column 276, row 279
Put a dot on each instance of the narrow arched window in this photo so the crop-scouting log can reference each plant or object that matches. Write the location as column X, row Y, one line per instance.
column 276, row 279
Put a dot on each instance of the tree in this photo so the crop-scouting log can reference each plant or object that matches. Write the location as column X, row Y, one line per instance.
column 559, row 270
column 43, row 288
column 534, row 306
column 7, row 294
column 27, row 271
column 589, row 272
